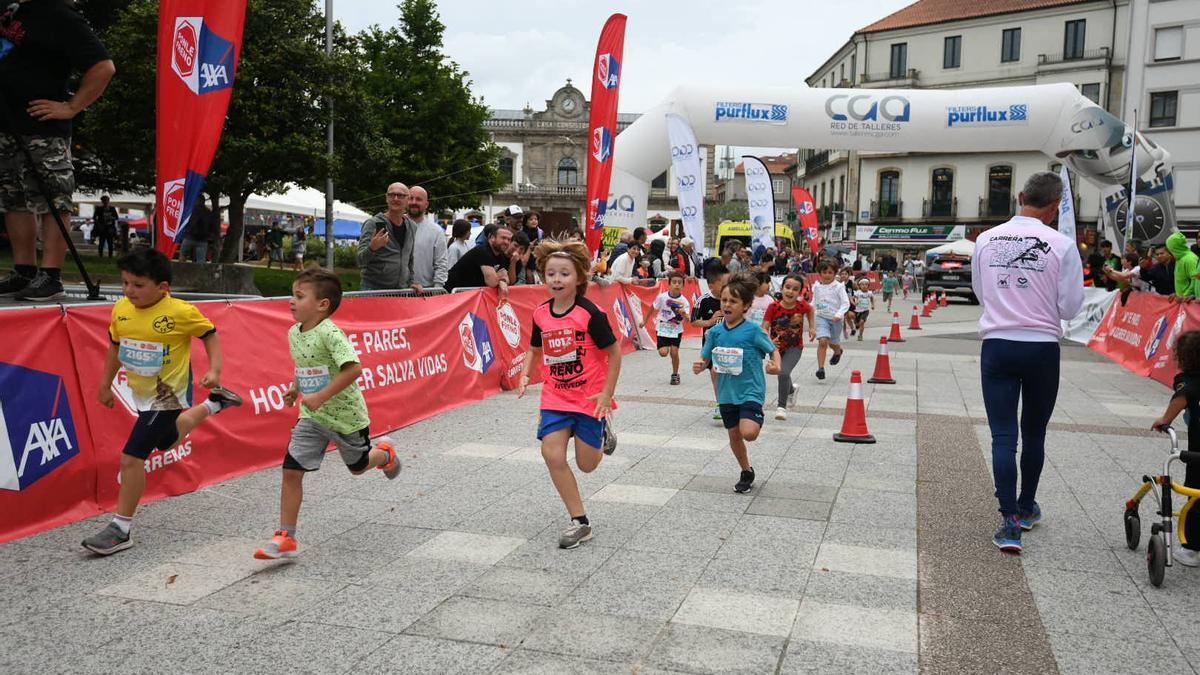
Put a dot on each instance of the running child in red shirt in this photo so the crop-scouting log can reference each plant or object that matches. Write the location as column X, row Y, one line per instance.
column 580, row 360
column 784, row 322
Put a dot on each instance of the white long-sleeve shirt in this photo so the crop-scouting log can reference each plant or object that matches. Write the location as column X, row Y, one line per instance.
column 830, row 300
column 621, row 269
column 1029, row 278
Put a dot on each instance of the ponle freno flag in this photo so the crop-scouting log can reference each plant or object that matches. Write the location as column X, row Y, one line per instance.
column 198, row 46
column 602, row 125
column 809, row 223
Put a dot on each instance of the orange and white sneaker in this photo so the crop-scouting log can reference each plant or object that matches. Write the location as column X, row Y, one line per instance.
column 282, row 545
column 392, row 468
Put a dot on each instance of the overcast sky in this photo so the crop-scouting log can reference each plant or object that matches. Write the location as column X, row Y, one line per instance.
column 521, row 51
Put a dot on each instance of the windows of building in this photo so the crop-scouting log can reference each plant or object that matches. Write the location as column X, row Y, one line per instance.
column 1073, row 39
column 941, row 201
column 506, row 169
column 1163, row 108
column 842, row 192
column 1168, row 43
column 899, row 62
column 952, row 51
column 889, row 193
column 1091, row 90
column 1010, row 45
column 842, row 72
column 777, row 186
column 853, row 68
column 999, row 197
column 659, row 182
column 568, row 171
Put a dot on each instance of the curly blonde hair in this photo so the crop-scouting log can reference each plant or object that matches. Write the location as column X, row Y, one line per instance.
column 568, row 249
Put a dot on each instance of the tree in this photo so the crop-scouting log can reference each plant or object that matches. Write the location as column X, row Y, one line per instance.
column 429, row 127
column 717, row 212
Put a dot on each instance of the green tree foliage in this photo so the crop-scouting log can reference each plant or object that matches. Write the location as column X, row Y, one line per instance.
column 718, row 212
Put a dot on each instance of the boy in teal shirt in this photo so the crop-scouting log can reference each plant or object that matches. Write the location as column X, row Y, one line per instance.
column 889, row 288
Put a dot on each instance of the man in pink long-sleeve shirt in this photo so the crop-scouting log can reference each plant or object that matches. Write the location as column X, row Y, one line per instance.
column 1028, row 277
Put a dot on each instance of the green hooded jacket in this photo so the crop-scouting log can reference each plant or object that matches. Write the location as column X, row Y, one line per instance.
column 1186, row 262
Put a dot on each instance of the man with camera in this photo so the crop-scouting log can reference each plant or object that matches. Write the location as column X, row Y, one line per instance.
column 41, row 43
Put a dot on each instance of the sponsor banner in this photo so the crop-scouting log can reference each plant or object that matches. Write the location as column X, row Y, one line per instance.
column 602, row 126
column 809, row 223
column 643, row 297
column 977, row 116
column 1066, row 207
column 755, row 113
column 685, row 160
column 1083, row 326
column 1140, row 334
column 514, row 323
column 761, row 202
column 868, row 115
column 198, row 46
column 905, row 233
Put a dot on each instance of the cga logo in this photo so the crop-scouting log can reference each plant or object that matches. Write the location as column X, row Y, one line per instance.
column 38, row 435
column 173, row 199
column 978, row 116
column 866, row 108
column 601, row 144
column 1087, row 124
column 608, row 71
column 200, row 57
column 478, row 354
column 510, row 324
column 737, row 111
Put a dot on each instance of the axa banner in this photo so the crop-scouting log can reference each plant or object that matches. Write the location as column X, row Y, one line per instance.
column 809, row 222
column 685, row 160
column 602, row 124
column 198, row 46
column 761, row 200
column 46, row 457
column 1140, row 334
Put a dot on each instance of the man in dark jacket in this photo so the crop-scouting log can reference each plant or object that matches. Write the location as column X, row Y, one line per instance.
column 1161, row 275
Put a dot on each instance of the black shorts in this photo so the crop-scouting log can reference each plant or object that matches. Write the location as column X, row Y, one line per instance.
column 732, row 413
column 154, row 430
column 860, row 317
column 669, row 341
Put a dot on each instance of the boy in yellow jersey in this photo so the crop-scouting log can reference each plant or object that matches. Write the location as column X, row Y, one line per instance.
column 151, row 336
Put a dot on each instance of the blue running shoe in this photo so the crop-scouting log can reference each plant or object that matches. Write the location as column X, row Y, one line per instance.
column 1008, row 537
column 1031, row 518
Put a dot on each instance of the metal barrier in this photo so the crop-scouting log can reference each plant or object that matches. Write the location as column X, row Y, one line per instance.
column 396, row 292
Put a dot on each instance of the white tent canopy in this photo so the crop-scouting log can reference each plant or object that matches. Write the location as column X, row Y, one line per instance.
column 963, row 247
column 295, row 200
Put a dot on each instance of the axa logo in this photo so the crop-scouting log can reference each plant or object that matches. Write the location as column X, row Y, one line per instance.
column 1157, row 333
column 867, row 108
column 805, row 208
column 37, row 431
column 200, row 57
column 738, row 111
column 596, row 210
column 478, row 354
column 601, row 144
column 982, row 115
column 608, row 71
column 621, row 312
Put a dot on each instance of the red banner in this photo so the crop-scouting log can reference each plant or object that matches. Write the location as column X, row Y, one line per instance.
column 643, row 297
column 809, row 222
column 198, row 46
column 602, row 125
column 1140, row 333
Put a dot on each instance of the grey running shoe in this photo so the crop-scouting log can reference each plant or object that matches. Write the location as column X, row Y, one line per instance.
column 575, row 535
column 108, row 541
column 224, row 397
column 674, row 378
column 608, row 439
column 12, row 284
column 41, row 289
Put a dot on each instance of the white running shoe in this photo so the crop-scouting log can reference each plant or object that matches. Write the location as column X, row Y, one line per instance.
column 781, row 413
column 1187, row 557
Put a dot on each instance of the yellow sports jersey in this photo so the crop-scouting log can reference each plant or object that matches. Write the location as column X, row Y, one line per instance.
column 155, row 347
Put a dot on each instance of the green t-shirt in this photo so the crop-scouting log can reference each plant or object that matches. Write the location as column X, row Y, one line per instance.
column 319, row 354
column 889, row 284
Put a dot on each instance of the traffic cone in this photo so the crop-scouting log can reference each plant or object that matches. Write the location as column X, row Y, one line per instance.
column 914, row 323
column 926, row 311
column 944, row 298
column 883, row 365
column 895, row 336
column 854, row 422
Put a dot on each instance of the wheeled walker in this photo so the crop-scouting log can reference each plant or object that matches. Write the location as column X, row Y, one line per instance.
column 1158, row 549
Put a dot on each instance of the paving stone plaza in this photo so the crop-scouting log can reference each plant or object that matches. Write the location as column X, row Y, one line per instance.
column 843, row 558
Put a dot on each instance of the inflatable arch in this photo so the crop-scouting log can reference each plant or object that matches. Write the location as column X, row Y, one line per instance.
column 1052, row 118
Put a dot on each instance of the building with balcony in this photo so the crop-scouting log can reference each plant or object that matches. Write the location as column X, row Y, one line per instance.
column 544, row 162
column 939, row 44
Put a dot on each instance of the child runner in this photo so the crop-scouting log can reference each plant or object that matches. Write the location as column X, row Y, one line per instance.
column 889, row 289
column 762, row 299
column 735, row 348
column 846, row 278
column 785, row 324
column 332, row 409
column 673, row 311
column 708, row 312
column 908, row 282
column 864, row 302
column 151, row 336
column 580, row 360
column 831, row 304
column 1185, row 398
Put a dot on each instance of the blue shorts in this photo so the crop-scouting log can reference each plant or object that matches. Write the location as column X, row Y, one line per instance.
column 583, row 427
column 733, row 413
column 828, row 328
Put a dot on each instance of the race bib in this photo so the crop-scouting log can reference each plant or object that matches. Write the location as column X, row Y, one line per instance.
column 727, row 360
column 669, row 329
column 141, row 357
column 558, row 346
column 312, row 379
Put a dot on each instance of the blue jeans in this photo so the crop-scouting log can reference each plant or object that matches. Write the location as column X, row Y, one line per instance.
column 1015, row 372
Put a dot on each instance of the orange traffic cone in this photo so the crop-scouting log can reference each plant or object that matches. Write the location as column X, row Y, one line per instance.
column 883, row 365
column 943, row 299
column 926, row 311
column 914, row 323
column 854, row 422
column 895, row 336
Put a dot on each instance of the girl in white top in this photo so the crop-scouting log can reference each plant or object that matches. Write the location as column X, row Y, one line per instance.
column 762, row 299
column 831, row 304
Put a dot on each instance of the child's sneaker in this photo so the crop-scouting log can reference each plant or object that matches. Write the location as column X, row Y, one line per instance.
column 224, row 398
column 820, row 373
column 860, row 336
column 282, row 545
column 781, row 413
column 675, row 378
column 108, row 541
column 717, row 413
column 1008, row 537
column 837, row 356
column 745, row 481
column 574, row 535
column 608, row 438
column 1186, row 557
column 1030, row 518
column 392, row 468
